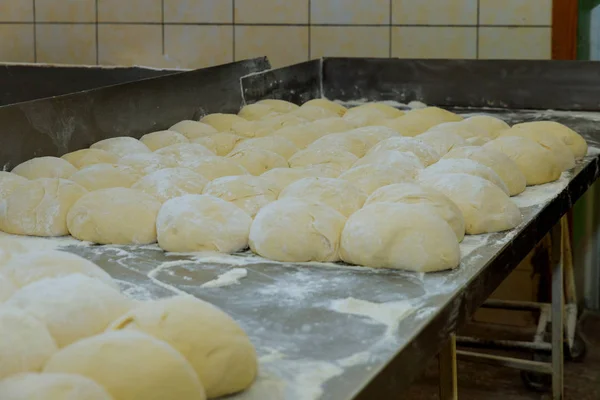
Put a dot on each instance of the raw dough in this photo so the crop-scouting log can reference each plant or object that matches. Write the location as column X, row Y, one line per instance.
column 254, row 112
column 337, row 159
column 130, row 365
column 420, row 120
column 221, row 122
column 10, row 248
column 86, row 157
column 455, row 127
column 338, row 194
column 202, row 223
column 39, row 207
column 145, row 164
column 327, row 104
column 213, row 343
column 73, row 306
column 423, row 151
column 45, row 167
column 485, row 125
column 121, row 146
column 312, row 113
column 575, row 141
column 185, row 154
column 466, row 166
column 485, row 207
column 158, row 140
column 9, row 182
column 114, row 216
column 250, row 193
column 405, row 161
column 193, row 129
column 294, row 230
column 436, row 114
column 301, row 135
column 371, row 135
column 104, row 176
column 280, row 106
column 257, row 161
column 341, row 141
column 283, row 177
column 32, row 386
column 215, row 167
column 399, row 236
column 442, row 142
column 370, row 177
column 331, row 125
column 7, row 288
column 388, row 111
column 358, row 116
column 477, row 141
column 219, row 143
column 282, row 146
column 171, row 182
column 265, row 127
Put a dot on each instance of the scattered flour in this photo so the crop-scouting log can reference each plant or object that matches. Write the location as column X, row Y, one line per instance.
column 231, row 277
column 541, row 194
column 471, row 243
column 152, row 275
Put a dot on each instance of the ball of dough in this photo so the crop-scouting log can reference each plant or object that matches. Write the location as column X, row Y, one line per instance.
column 424, row 152
column 184, row 154
column 404, row 161
column 114, row 216
column 202, row 223
column 477, row 141
column 250, row 193
column 121, row 146
column 322, row 170
column 266, row 126
column 257, row 161
column 537, row 163
column 25, row 343
column 144, row 164
column 371, row 135
column 193, row 129
column 9, row 182
column 130, row 365
column 484, row 206
column 312, row 113
column 40, row 207
column 337, row 159
column 171, row 182
column 442, row 142
column 276, row 144
column 33, row 266
column 503, row 166
column 437, row 114
column 86, row 157
column 420, row 120
column 387, row 110
column 485, row 125
column 370, row 177
column 338, row 194
column 331, row 125
column 365, row 116
column 222, row 122
column 7, row 288
column 10, row 248
column 283, row 177
column 216, row 167
column 213, row 343
column 412, row 193
column 575, row 141
column 45, row 167
column 254, row 112
column 294, row 230
column 158, row 140
column 327, row 104
column 32, row 386
column 73, row 306
column 219, row 143
column 301, row 135
column 104, row 176
column 341, row 141
column 280, row 106
column 399, row 236
column 457, row 128
column 466, row 166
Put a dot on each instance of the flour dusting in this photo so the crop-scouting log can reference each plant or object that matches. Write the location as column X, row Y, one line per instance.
column 231, row 277
column 541, row 194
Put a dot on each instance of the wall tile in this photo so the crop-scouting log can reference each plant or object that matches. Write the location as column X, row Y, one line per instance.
column 130, row 45
column 350, row 41
column 284, row 45
column 271, row 11
column 16, row 11
column 434, row 42
column 198, row 46
column 350, row 12
column 129, row 10
column 435, row 12
column 65, row 10
column 195, row 11
column 515, row 12
column 17, row 43
column 515, row 43
column 66, row 44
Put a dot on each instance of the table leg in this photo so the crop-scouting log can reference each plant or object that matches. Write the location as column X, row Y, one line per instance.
column 557, row 312
column 447, row 370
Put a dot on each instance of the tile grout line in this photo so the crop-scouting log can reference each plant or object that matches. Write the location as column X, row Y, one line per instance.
column 162, row 18
column 97, row 41
column 391, row 29
column 309, row 29
column 477, row 32
column 233, row 27
column 34, row 34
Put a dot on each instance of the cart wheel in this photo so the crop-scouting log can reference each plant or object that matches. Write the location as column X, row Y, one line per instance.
column 535, row 381
column 579, row 350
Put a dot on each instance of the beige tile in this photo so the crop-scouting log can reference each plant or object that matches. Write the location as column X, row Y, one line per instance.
column 350, row 41
column 435, row 12
column 350, row 12
column 129, row 10
column 515, row 12
column 66, row 44
column 130, row 45
column 65, row 10
column 193, row 11
column 16, row 11
column 284, row 45
column 434, row 42
column 198, row 46
column 515, row 43
column 17, row 43
column 271, row 11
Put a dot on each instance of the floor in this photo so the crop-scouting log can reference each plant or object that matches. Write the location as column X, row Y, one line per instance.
column 479, row 381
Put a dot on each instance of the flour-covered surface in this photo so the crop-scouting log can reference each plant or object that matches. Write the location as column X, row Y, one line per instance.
column 322, row 330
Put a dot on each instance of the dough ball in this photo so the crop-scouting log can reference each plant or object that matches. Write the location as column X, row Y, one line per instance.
column 114, row 216
column 216, row 167
column 371, row 135
column 300, row 135
column 341, row 141
column 322, row 170
column 442, row 142
column 266, row 126
column 387, row 110
column 184, row 154
column 294, row 230
column 283, row 177
column 221, row 122
column 400, row 236
column 212, row 342
column 45, row 167
column 7, row 288
column 40, row 207
column 503, row 166
column 25, row 343
column 313, row 113
column 485, row 125
column 73, row 306
column 257, row 161
column 10, row 248
column 254, row 112
column 412, row 193
column 338, row 194
column 424, row 152
column 202, row 223
column 436, row 114
column 171, row 182
column 86, row 157
column 250, row 193
column 193, row 129
column 276, row 144
column 401, row 160
column 537, row 163
column 280, row 106
column 160, row 139
column 121, row 146
column 219, row 143
column 333, row 158
column 365, row 116
column 410, row 124
column 457, row 128
column 9, row 182
column 485, row 207
column 33, row 266
column 32, row 386
column 371, row 177
column 144, row 164
column 331, row 125
column 104, row 176
column 130, row 365
column 575, row 141
column 466, row 166
column 339, row 109
column 477, row 141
